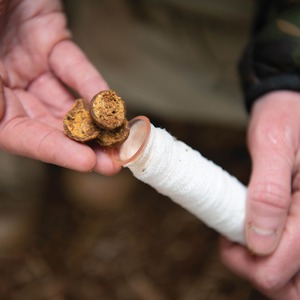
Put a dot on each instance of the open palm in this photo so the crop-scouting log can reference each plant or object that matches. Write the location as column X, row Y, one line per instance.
column 37, row 61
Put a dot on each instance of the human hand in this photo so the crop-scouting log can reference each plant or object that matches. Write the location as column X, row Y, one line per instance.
column 37, row 61
column 273, row 200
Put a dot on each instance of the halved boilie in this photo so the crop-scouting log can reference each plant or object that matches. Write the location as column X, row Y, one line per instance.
column 78, row 123
column 103, row 120
column 108, row 110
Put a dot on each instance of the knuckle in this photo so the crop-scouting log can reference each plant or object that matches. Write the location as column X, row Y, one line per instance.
column 271, row 194
column 267, row 280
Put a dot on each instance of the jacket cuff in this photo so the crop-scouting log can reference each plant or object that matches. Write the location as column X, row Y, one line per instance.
column 272, row 59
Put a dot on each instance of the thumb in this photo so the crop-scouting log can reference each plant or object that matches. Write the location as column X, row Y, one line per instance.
column 268, row 203
column 269, row 190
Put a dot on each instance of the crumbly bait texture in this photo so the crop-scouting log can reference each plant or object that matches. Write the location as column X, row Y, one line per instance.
column 117, row 135
column 108, row 110
column 82, row 124
column 78, row 123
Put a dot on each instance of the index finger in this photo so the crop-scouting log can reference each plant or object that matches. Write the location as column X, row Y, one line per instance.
column 72, row 67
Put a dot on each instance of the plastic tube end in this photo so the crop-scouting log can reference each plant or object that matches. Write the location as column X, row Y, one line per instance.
column 131, row 149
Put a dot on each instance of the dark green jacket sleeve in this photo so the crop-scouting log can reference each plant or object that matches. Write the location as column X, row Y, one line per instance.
column 271, row 61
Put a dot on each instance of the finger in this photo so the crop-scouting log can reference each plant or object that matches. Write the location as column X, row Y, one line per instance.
column 2, row 99
column 23, row 136
column 41, row 142
column 237, row 258
column 268, row 200
column 104, row 164
column 290, row 291
column 247, row 266
column 38, row 140
column 269, row 273
column 269, row 192
column 276, row 275
column 58, row 96
column 70, row 64
column 3, row 82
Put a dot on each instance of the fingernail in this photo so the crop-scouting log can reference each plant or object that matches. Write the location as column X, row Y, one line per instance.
column 261, row 241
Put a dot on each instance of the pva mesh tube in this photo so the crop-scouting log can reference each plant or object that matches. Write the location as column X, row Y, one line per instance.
column 181, row 173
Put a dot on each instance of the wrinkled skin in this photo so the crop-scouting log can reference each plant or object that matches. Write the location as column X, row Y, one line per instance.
column 273, row 200
column 37, row 61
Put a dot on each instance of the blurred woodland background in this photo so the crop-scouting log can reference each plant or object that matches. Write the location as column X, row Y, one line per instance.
column 66, row 235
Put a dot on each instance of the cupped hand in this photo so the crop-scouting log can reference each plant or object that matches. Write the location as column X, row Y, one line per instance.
column 272, row 259
column 38, row 61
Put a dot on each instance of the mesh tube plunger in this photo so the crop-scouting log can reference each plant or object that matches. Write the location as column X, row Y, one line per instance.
column 177, row 171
